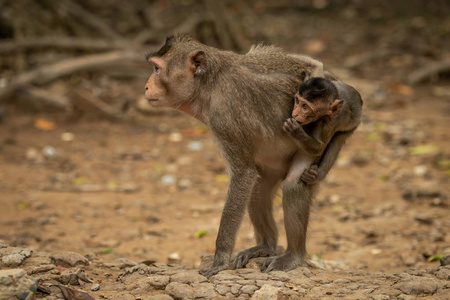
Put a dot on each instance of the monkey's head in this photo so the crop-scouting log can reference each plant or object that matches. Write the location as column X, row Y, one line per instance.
column 177, row 68
column 316, row 97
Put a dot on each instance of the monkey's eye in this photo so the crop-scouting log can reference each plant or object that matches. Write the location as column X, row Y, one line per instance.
column 305, row 107
column 156, row 69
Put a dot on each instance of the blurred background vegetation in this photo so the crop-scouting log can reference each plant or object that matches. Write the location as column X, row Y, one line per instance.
column 74, row 55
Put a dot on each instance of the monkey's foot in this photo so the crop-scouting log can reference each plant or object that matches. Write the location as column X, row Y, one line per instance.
column 208, row 272
column 243, row 257
column 285, row 262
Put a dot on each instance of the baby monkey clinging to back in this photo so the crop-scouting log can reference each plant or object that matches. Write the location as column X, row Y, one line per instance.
column 321, row 122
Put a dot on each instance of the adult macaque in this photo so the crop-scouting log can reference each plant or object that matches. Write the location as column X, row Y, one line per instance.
column 317, row 104
column 244, row 99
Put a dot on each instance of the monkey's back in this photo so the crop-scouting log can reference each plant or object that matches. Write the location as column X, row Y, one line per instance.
column 350, row 115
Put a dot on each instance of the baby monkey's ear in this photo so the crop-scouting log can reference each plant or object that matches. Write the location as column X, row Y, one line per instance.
column 335, row 108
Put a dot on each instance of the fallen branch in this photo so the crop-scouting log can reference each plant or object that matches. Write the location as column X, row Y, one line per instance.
column 66, row 67
column 429, row 71
column 89, row 19
column 47, row 98
column 84, row 101
column 62, row 43
column 360, row 59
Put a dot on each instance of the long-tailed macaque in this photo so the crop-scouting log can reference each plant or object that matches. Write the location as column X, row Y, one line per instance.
column 244, row 99
column 317, row 103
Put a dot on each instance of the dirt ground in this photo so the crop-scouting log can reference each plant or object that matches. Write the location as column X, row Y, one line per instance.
column 155, row 191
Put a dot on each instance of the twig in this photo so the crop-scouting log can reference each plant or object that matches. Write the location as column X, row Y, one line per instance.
column 52, row 99
column 429, row 71
column 360, row 59
column 62, row 43
column 86, row 102
column 90, row 19
column 216, row 10
column 66, row 67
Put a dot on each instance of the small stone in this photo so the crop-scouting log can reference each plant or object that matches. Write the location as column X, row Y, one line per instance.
column 168, row 180
column 445, row 260
column 267, row 292
column 173, row 258
column 188, row 277
column 420, row 170
column 12, row 260
column 224, row 276
column 49, row 151
column 158, row 297
column 256, row 276
column 179, row 290
column 424, row 219
column 175, row 137
column 69, row 259
column 67, row 136
column 223, row 289
column 95, row 287
column 380, row 297
column 204, row 291
column 249, row 289
column 418, row 286
column 159, row 281
column 16, row 284
column 443, row 273
column 195, row 146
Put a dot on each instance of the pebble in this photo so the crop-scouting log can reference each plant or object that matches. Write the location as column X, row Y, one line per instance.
column 445, row 260
column 12, row 260
column 195, row 146
column 175, row 137
column 204, row 291
column 418, row 286
column 69, row 259
column 67, row 136
column 180, row 290
column 160, row 281
column 168, row 180
column 173, row 258
column 267, row 292
column 49, row 151
column 188, row 277
column 16, row 284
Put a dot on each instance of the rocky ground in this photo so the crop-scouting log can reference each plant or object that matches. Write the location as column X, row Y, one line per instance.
column 123, row 210
column 27, row 274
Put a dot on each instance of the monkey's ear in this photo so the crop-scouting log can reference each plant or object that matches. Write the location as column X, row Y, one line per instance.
column 335, row 108
column 198, row 62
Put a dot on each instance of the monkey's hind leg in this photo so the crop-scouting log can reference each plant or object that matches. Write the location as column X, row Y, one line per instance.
column 260, row 209
column 297, row 198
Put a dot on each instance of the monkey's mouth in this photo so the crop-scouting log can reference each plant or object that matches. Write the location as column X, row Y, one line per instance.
column 152, row 100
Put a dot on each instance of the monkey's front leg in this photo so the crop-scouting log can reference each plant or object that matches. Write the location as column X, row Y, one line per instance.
column 239, row 191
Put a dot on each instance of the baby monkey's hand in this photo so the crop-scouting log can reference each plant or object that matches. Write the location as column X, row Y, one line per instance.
column 311, row 175
column 292, row 127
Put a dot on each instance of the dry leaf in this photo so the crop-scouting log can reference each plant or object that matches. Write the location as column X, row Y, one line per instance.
column 71, row 294
column 43, row 124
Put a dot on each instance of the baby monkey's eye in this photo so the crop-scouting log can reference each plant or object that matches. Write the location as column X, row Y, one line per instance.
column 305, row 107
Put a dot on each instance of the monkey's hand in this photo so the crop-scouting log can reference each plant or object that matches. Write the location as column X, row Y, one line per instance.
column 292, row 127
column 311, row 175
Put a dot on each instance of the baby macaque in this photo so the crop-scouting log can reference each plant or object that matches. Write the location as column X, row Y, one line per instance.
column 321, row 122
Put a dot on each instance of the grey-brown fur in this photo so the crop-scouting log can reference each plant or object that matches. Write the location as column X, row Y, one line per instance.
column 325, row 137
column 245, row 99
